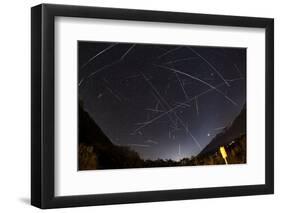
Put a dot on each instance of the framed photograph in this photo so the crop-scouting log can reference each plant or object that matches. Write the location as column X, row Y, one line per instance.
column 139, row 106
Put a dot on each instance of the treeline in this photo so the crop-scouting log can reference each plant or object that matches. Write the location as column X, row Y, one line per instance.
column 118, row 157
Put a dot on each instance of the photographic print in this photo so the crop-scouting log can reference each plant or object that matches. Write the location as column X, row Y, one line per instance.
column 159, row 105
column 106, row 105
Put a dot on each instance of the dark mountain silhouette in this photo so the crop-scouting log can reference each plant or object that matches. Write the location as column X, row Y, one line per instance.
column 89, row 132
column 232, row 132
column 96, row 151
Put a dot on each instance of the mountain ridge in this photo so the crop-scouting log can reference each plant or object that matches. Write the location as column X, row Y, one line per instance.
column 229, row 133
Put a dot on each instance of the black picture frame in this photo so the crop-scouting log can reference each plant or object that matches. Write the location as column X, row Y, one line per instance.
column 43, row 117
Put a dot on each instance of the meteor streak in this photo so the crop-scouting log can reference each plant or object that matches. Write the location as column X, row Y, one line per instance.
column 213, row 68
column 101, row 52
column 198, row 79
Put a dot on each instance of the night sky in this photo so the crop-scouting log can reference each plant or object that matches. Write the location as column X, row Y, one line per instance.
column 164, row 101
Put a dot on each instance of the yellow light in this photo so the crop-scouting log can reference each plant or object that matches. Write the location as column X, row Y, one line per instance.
column 223, row 154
